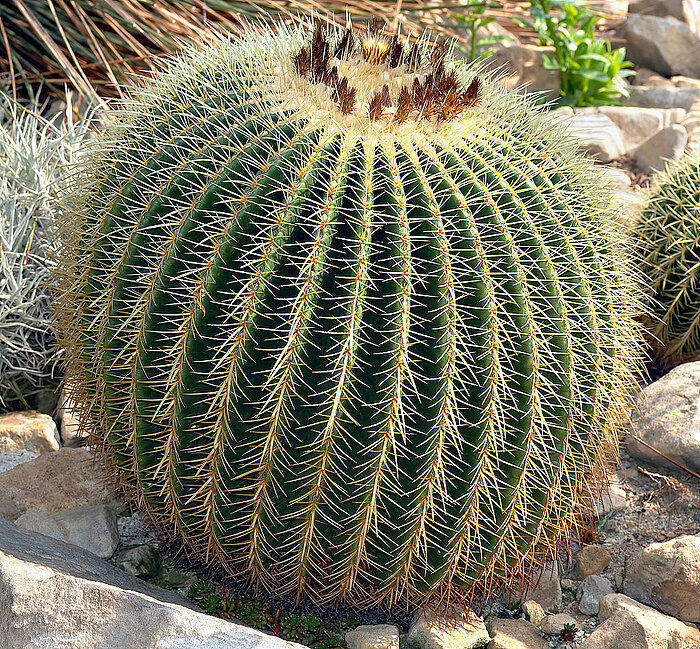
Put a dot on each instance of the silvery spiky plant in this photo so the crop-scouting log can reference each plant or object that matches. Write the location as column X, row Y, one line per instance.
column 32, row 152
column 350, row 319
column 669, row 232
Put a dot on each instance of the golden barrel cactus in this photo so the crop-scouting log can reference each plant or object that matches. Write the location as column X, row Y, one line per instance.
column 345, row 315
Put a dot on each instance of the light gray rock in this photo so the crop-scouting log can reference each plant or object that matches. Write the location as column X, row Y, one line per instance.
column 30, row 431
column 667, row 576
column 660, row 149
column 598, row 135
column 685, row 82
column 612, row 498
column 635, row 124
column 687, row 11
column 591, row 560
column 91, row 528
column 543, row 587
column 56, row 596
column 664, row 44
column 141, row 561
column 657, row 97
column 533, row 612
column 667, row 416
column 514, row 634
column 553, row 624
column 373, row 636
column 72, row 433
column 53, row 482
column 455, row 629
column 592, row 589
column 617, row 178
column 627, row 624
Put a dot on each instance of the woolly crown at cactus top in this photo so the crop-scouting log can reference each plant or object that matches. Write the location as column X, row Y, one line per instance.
column 345, row 316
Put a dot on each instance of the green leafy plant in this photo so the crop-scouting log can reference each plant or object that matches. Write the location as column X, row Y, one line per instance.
column 204, row 594
column 252, row 612
column 478, row 47
column 350, row 319
column 332, row 641
column 590, row 70
column 669, row 240
column 34, row 153
column 299, row 627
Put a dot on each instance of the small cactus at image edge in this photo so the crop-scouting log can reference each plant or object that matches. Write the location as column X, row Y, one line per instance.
column 345, row 316
column 669, row 247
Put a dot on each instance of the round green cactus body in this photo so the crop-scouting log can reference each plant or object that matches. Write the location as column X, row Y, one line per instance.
column 346, row 317
column 669, row 232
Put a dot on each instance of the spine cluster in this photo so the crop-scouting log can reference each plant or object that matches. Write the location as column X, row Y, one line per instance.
column 434, row 91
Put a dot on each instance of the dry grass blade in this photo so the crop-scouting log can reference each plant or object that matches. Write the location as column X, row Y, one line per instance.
column 93, row 45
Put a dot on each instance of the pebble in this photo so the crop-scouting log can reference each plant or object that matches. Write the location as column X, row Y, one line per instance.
column 142, row 561
column 533, row 612
column 592, row 589
column 553, row 624
column 591, row 560
column 373, row 636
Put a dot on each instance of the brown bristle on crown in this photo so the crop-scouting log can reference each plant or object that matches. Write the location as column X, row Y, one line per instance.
column 435, row 90
column 470, row 97
column 302, row 62
column 375, row 107
column 404, row 106
column 396, row 51
column 346, row 47
column 415, row 58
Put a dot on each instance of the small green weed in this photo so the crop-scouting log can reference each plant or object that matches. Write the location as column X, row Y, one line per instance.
column 590, row 70
column 474, row 20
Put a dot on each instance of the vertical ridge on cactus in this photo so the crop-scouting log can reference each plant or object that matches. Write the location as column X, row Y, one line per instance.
column 669, row 236
column 346, row 316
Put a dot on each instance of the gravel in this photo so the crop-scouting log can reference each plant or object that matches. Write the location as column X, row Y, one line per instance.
column 11, row 459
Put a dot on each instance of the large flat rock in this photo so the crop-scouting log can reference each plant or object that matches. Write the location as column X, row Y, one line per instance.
column 57, row 596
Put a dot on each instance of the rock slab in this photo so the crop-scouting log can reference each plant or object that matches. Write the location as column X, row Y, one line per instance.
column 53, row 482
column 627, row 624
column 29, row 431
column 91, row 528
column 667, row 416
column 667, row 576
column 454, row 629
column 56, row 596
column 663, row 44
column 662, row 148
